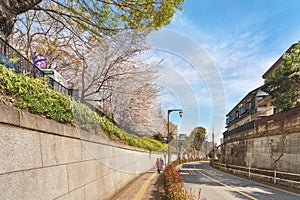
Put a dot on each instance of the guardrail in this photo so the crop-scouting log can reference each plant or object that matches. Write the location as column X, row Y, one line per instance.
column 274, row 176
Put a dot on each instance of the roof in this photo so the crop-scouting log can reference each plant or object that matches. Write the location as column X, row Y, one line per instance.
column 250, row 93
column 276, row 64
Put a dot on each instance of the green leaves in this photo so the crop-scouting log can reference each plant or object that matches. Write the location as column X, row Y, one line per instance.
column 173, row 183
column 108, row 17
column 35, row 96
column 199, row 134
column 85, row 118
column 120, row 135
column 284, row 84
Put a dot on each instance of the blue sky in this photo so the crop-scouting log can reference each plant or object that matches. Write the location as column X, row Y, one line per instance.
column 215, row 51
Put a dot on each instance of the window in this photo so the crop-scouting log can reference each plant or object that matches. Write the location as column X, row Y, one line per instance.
column 242, row 108
column 237, row 114
column 258, row 98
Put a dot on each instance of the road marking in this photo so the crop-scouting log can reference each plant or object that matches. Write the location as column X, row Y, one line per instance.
column 144, row 187
column 229, row 187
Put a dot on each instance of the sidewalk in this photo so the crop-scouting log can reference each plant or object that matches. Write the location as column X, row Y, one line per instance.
column 148, row 186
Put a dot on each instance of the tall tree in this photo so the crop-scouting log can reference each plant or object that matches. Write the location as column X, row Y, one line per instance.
column 107, row 64
column 98, row 17
column 105, row 71
column 34, row 32
column 284, row 84
column 69, row 32
column 114, row 78
column 135, row 103
column 198, row 134
column 9, row 10
column 196, row 139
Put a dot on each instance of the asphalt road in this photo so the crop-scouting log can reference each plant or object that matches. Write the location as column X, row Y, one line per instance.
column 216, row 185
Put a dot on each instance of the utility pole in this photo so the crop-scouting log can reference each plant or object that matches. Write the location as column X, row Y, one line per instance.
column 180, row 115
column 213, row 145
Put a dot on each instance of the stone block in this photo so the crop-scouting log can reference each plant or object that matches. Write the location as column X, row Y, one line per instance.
column 40, row 123
column 103, row 194
column 298, row 159
column 91, row 191
column 86, row 136
column 265, row 149
column 117, row 158
column 293, row 141
column 90, row 150
column 109, row 189
column 102, row 170
column 69, row 130
column 120, row 180
column 81, row 173
column 36, row 184
column 295, row 168
column 109, row 185
column 19, row 149
column 78, row 194
column 34, row 122
column 60, row 150
column 9, row 115
column 289, row 158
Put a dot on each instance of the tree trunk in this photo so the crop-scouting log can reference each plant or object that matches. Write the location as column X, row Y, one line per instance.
column 9, row 10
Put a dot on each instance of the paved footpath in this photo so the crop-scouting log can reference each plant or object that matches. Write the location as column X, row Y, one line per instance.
column 148, row 186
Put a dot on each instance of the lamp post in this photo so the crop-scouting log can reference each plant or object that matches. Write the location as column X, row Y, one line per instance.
column 179, row 145
column 180, row 114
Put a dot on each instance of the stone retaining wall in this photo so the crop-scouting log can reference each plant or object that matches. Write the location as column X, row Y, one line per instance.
column 44, row 159
column 271, row 144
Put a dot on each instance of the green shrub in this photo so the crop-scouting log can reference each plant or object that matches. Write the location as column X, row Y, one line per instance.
column 35, row 96
column 173, row 184
column 85, row 118
column 153, row 144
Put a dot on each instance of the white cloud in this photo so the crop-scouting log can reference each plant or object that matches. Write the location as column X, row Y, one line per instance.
column 190, row 76
column 238, row 57
column 242, row 50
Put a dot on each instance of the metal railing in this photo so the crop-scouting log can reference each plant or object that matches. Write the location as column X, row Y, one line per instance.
column 270, row 175
column 242, row 128
column 15, row 61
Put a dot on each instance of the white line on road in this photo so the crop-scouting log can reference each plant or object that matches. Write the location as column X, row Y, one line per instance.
column 229, row 187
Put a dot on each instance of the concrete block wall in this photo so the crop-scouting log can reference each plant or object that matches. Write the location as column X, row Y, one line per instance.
column 268, row 149
column 265, row 143
column 44, row 159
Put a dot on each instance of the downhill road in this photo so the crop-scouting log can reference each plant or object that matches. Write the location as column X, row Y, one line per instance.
column 217, row 185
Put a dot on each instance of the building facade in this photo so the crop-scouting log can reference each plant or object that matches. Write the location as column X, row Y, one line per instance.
column 260, row 135
column 255, row 105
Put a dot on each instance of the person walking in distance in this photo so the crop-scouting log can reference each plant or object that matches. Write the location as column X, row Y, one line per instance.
column 162, row 163
column 158, row 165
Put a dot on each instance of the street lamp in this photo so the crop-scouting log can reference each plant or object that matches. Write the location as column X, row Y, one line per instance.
column 179, row 145
column 180, row 114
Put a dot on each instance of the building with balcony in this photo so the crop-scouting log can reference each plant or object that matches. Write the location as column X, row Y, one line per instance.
column 259, row 134
column 254, row 106
column 247, row 110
